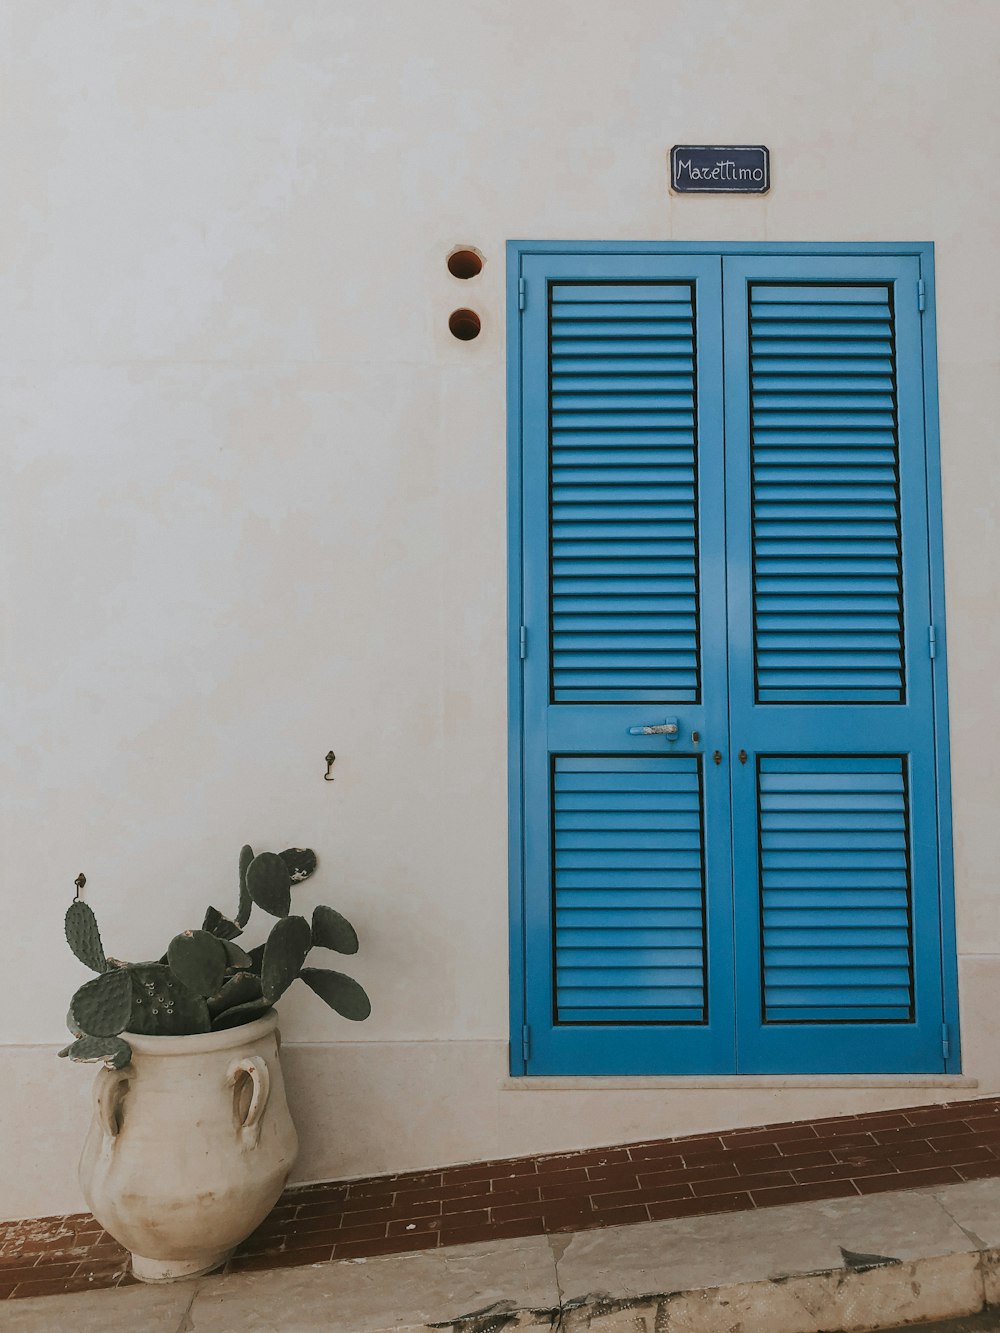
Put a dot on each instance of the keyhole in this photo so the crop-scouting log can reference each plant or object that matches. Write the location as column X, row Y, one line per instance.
column 717, row 756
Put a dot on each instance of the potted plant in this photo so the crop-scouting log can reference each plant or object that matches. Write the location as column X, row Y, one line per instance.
column 191, row 1142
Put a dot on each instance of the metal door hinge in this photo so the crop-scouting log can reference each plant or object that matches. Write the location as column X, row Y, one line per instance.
column 945, row 1041
column 921, row 294
column 524, row 641
column 932, row 640
column 522, row 294
column 526, row 1043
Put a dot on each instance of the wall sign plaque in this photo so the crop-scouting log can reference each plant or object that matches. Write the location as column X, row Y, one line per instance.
column 715, row 169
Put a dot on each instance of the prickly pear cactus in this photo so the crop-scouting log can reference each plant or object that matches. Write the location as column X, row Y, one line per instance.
column 103, row 1005
column 198, row 960
column 205, row 981
column 161, row 1006
column 83, row 936
column 115, row 1053
column 269, row 882
column 285, row 952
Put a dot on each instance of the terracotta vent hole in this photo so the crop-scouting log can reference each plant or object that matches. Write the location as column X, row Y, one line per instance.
column 465, row 263
column 464, row 324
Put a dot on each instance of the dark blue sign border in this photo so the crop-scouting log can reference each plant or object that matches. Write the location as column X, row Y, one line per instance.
column 720, row 169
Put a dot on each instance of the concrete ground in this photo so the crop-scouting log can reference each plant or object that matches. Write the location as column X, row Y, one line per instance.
column 873, row 1262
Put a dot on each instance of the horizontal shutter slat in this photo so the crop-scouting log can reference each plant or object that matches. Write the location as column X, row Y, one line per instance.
column 623, row 493
column 629, row 889
column 826, row 510
column 835, row 891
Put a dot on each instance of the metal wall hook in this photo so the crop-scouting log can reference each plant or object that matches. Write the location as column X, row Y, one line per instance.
column 329, row 764
column 80, row 881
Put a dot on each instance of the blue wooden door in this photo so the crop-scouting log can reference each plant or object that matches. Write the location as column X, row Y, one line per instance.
column 725, row 769
column 831, row 704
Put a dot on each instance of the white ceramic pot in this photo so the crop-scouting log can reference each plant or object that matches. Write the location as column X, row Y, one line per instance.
column 190, row 1147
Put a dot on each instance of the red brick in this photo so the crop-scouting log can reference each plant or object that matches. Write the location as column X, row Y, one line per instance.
column 619, row 1217
column 839, row 1171
column 757, row 1153
column 556, row 1179
column 576, row 1189
column 719, row 1171
column 569, row 1219
column 945, row 1175
column 795, row 1161
column 927, row 1115
column 30, row 1273
column 336, row 1236
column 717, row 1203
column 59, row 1286
column 323, row 1197
column 463, row 1189
column 640, row 1152
column 527, row 1226
column 908, row 1132
column 515, row 1212
column 287, row 1259
column 980, row 1170
column 831, row 1189
column 586, row 1158
column 743, row 1138
column 453, row 1209
column 973, row 1152
column 420, row 1227
column 619, row 1175
column 498, row 1197
column 952, row 1141
column 732, row 1184
column 491, row 1171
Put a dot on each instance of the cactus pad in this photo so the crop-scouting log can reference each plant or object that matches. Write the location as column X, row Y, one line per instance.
column 83, row 936
column 269, row 883
column 220, row 926
column 301, row 862
column 340, row 992
column 246, row 902
column 161, row 1007
column 237, row 957
column 198, row 960
column 330, row 930
column 242, row 988
column 115, row 1053
column 285, row 952
column 103, row 1005
column 240, row 1014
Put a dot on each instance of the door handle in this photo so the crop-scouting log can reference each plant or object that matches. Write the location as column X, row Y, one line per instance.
column 669, row 728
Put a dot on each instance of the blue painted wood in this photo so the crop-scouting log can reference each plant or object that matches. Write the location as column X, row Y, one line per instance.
column 553, row 929
column 842, row 732
column 626, row 627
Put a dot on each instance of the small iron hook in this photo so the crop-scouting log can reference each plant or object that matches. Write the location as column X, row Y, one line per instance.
column 329, row 764
column 80, row 881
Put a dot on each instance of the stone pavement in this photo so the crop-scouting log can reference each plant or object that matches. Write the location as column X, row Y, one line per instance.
column 846, row 1264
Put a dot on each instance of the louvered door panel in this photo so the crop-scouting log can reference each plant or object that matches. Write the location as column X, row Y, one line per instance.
column 828, row 598
column 835, row 889
column 623, row 493
column 629, row 890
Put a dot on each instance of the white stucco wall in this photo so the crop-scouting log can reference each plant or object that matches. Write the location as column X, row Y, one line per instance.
column 254, row 499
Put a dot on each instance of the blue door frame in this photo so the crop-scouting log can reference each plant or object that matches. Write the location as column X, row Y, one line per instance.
column 729, row 792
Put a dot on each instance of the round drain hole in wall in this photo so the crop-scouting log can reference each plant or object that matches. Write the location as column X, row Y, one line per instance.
column 464, row 324
column 465, row 263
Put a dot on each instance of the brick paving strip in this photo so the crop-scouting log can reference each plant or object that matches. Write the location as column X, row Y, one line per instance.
column 730, row 1171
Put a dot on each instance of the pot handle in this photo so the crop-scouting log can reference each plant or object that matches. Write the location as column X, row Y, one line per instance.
column 260, row 1077
column 110, row 1087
